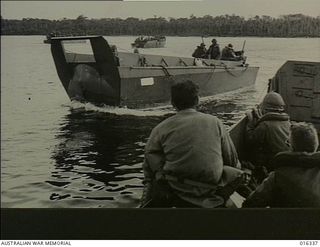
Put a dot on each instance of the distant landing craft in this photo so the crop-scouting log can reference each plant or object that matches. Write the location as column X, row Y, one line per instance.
column 149, row 42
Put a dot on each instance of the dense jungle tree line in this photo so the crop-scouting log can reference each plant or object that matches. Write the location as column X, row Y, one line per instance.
column 296, row 25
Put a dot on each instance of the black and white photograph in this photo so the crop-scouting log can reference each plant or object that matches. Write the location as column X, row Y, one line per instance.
column 161, row 106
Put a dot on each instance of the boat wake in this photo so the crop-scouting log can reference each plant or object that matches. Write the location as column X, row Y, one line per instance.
column 155, row 111
column 213, row 102
column 238, row 95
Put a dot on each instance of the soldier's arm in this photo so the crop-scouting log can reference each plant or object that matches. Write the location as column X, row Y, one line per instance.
column 153, row 158
column 256, row 135
column 263, row 195
column 229, row 152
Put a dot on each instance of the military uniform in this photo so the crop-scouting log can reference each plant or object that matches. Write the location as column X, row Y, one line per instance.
column 214, row 51
column 189, row 145
column 228, row 53
column 294, row 183
column 268, row 137
column 267, row 131
column 200, row 51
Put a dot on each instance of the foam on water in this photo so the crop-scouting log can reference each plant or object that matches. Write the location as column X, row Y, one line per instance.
column 232, row 95
column 156, row 111
column 159, row 110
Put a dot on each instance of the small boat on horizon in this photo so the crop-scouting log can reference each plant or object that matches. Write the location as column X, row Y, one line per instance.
column 149, row 42
column 134, row 80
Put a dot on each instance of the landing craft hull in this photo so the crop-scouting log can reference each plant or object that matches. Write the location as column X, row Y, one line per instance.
column 141, row 80
column 298, row 82
column 134, row 94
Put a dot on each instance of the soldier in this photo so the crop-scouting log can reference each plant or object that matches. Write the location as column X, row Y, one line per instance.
column 229, row 54
column 267, row 132
column 200, row 51
column 295, row 180
column 214, row 50
column 194, row 152
column 115, row 54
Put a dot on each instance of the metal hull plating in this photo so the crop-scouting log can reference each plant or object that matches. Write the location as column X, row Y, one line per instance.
column 298, row 82
column 135, row 94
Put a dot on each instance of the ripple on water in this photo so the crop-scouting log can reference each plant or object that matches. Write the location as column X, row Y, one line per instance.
column 58, row 183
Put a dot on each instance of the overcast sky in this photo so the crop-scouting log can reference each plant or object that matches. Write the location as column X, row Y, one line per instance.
column 146, row 9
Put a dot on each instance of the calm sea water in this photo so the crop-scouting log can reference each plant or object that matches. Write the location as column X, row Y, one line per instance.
column 55, row 153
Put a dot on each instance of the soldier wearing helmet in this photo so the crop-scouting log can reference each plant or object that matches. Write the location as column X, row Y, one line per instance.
column 200, row 51
column 267, row 132
column 229, row 54
column 214, row 50
column 272, row 102
column 115, row 54
column 295, row 180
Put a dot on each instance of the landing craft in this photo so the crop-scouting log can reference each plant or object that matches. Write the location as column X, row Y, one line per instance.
column 137, row 80
column 149, row 42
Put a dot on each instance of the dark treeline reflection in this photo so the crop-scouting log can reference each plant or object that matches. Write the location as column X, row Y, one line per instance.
column 294, row 25
column 99, row 157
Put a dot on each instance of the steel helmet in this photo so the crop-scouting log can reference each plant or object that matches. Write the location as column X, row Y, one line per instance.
column 113, row 48
column 272, row 102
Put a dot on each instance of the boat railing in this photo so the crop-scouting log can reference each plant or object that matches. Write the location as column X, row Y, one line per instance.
column 160, row 66
column 183, row 62
column 145, row 60
column 164, row 61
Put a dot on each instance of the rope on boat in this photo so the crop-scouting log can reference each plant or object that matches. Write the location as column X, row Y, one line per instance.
column 229, row 71
column 214, row 68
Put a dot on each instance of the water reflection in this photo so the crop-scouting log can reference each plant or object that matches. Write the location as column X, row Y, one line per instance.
column 99, row 157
